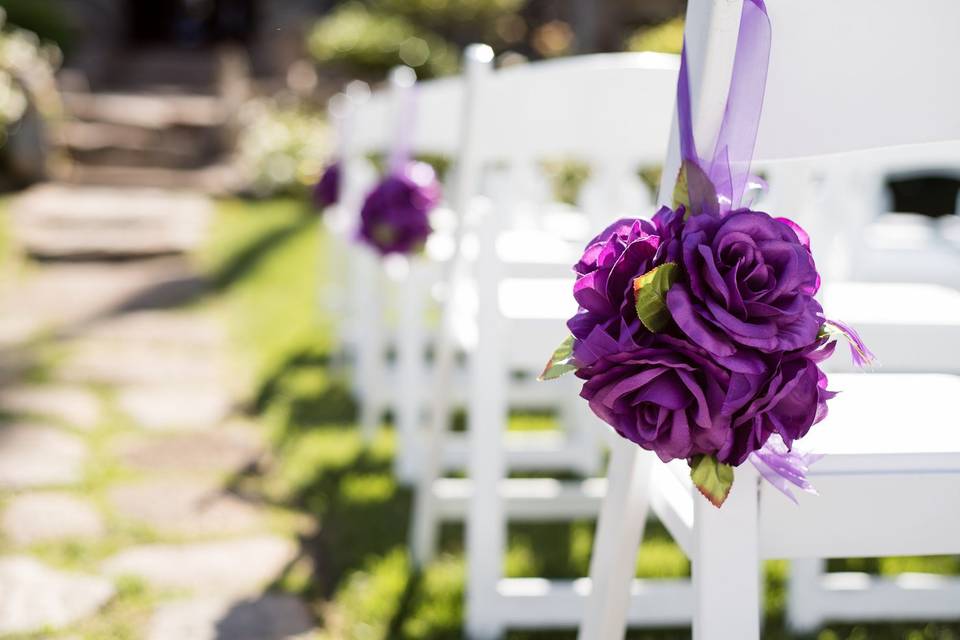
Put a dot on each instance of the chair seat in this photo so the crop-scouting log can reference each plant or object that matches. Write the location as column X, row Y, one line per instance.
column 888, row 422
column 892, row 458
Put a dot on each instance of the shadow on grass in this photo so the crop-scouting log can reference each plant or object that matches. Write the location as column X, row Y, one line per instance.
column 245, row 261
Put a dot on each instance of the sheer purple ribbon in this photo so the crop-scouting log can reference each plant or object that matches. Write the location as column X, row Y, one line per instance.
column 406, row 124
column 721, row 181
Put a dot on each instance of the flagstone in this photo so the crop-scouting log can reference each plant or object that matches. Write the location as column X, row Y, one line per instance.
column 34, row 597
column 229, row 567
column 220, row 450
column 42, row 517
column 175, row 406
column 119, row 363
column 37, row 456
column 73, row 405
column 267, row 617
column 184, row 507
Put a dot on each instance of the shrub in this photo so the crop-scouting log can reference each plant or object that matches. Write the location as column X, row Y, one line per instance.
column 664, row 38
column 281, row 149
column 371, row 42
column 42, row 17
column 462, row 21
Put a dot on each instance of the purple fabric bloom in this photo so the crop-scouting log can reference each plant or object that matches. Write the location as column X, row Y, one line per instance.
column 787, row 401
column 665, row 396
column 672, row 397
column 327, row 190
column 749, row 282
column 395, row 215
column 604, row 286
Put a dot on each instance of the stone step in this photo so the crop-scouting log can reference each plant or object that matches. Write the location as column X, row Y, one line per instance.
column 157, row 111
column 131, row 145
column 165, row 68
column 218, row 179
column 59, row 220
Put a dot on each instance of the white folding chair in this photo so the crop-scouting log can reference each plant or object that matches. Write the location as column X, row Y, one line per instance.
column 574, row 447
column 521, row 116
column 391, row 298
column 835, row 85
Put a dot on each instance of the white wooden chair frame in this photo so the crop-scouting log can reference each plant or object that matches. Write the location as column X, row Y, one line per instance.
column 500, row 128
column 726, row 545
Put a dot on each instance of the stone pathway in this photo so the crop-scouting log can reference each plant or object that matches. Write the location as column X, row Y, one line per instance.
column 118, row 461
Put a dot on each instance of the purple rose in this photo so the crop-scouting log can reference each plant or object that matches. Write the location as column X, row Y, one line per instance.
column 604, row 286
column 787, row 401
column 666, row 396
column 671, row 397
column 327, row 190
column 395, row 215
column 748, row 282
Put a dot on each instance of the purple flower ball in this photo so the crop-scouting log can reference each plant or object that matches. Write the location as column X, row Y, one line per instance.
column 395, row 215
column 327, row 190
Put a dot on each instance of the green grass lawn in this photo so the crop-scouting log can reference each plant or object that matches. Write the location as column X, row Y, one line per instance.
column 265, row 262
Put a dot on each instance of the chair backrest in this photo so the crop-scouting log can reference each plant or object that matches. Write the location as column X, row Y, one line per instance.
column 844, row 76
column 610, row 112
column 594, row 108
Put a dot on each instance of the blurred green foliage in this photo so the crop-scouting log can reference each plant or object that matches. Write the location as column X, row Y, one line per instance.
column 462, row 21
column 663, row 38
column 43, row 17
column 282, row 148
column 370, row 41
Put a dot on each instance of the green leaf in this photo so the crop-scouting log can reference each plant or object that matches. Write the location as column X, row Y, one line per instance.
column 561, row 362
column 649, row 291
column 694, row 186
column 681, row 191
column 713, row 479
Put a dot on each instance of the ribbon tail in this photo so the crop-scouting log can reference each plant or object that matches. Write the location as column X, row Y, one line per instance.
column 859, row 351
column 783, row 468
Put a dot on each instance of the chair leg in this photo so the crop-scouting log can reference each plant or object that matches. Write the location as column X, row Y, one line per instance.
column 486, row 526
column 726, row 563
column 425, row 521
column 803, row 615
column 410, row 369
column 619, row 533
column 370, row 365
column 582, row 431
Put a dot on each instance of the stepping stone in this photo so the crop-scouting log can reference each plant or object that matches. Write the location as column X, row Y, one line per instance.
column 228, row 568
column 74, row 406
column 163, row 327
column 267, row 617
column 59, row 220
column 42, row 517
column 34, row 597
column 175, row 407
column 66, row 293
column 185, row 508
column 135, row 364
column 222, row 450
column 39, row 456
